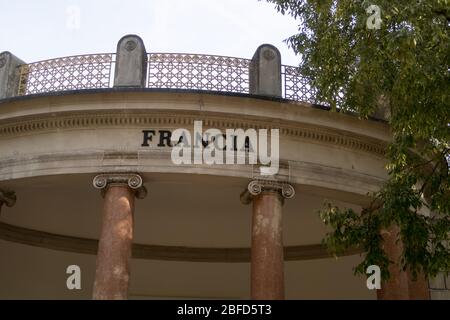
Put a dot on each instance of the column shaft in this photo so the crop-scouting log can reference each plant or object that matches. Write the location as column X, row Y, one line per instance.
column 396, row 288
column 418, row 289
column 267, row 257
column 114, row 249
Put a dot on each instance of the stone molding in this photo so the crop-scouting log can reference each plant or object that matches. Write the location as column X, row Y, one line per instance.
column 66, row 243
column 155, row 160
column 49, row 123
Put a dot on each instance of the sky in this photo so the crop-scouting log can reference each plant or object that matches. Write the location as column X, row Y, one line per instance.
column 36, row 30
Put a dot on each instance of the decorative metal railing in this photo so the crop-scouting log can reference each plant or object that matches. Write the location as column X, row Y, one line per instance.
column 68, row 73
column 165, row 70
column 295, row 86
column 200, row 72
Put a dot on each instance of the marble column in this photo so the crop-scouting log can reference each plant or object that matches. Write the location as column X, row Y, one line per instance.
column 397, row 287
column 418, row 288
column 267, row 250
column 112, row 273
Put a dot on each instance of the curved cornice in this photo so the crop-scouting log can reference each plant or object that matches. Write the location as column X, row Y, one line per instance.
column 155, row 90
column 139, row 118
column 158, row 161
column 65, row 243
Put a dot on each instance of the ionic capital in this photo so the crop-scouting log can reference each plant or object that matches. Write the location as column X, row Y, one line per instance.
column 256, row 187
column 132, row 180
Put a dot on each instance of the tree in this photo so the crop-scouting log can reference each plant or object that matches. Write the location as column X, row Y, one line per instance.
column 391, row 55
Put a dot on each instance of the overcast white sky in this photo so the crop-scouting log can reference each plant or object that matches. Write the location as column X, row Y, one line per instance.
column 42, row 29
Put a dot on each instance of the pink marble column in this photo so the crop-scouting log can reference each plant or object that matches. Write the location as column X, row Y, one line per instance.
column 397, row 287
column 267, row 250
column 418, row 288
column 112, row 273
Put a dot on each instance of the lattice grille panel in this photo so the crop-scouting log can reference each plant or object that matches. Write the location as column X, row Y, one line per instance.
column 296, row 87
column 199, row 72
column 68, row 73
